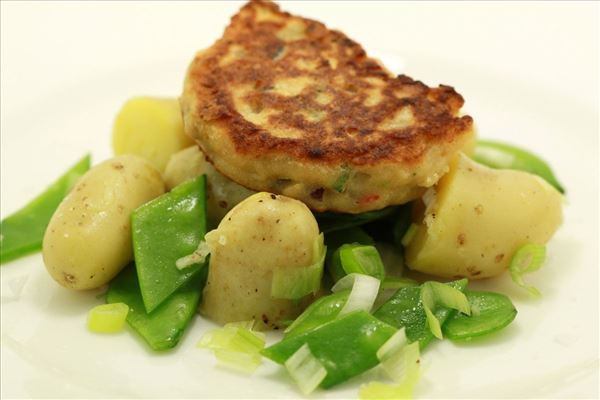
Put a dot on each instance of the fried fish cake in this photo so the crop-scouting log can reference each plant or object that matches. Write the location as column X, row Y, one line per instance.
column 283, row 104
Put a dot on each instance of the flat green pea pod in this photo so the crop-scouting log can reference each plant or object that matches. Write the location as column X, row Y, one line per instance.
column 322, row 311
column 342, row 346
column 490, row 312
column 330, row 221
column 162, row 328
column 504, row 156
column 165, row 230
column 22, row 232
column 405, row 310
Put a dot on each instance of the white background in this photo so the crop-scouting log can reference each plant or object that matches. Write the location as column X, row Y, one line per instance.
column 528, row 72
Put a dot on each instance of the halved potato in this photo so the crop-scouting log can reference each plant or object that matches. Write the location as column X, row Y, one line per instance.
column 477, row 217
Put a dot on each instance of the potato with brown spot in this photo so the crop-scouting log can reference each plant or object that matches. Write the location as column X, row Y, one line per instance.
column 88, row 239
column 482, row 216
column 262, row 234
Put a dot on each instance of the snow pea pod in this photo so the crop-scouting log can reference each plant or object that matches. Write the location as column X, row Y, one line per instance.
column 405, row 310
column 164, row 230
column 346, row 347
column 491, row 312
column 162, row 328
column 22, row 232
column 504, row 156
column 330, row 221
column 322, row 311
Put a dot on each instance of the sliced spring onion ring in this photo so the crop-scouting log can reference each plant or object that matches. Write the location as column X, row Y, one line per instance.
column 306, row 369
column 198, row 256
column 364, row 292
column 436, row 293
column 362, row 259
column 528, row 258
column 236, row 345
column 107, row 318
column 409, row 235
column 295, row 283
column 401, row 362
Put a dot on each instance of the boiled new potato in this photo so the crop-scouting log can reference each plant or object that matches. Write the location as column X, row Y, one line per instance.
column 477, row 217
column 262, row 234
column 223, row 193
column 88, row 239
column 151, row 128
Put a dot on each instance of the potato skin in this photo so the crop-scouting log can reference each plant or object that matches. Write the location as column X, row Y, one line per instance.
column 263, row 233
column 88, row 239
column 223, row 193
column 151, row 128
column 479, row 217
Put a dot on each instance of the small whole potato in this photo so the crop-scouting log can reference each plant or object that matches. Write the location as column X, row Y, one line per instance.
column 262, row 234
column 88, row 239
column 151, row 128
column 223, row 193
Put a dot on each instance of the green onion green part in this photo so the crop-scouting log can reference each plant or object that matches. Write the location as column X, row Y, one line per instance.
column 504, row 156
column 107, row 318
column 528, row 258
column 22, row 233
column 340, row 183
column 320, row 312
column 295, row 283
column 361, row 259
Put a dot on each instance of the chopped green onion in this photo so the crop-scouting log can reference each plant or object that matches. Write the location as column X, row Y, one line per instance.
column 295, row 283
column 504, row 156
column 107, row 318
column 306, row 369
column 403, row 367
column 436, row 293
column 197, row 257
column 528, row 258
column 236, row 345
column 364, row 292
column 362, row 259
column 340, row 183
column 409, row 235
column 393, row 345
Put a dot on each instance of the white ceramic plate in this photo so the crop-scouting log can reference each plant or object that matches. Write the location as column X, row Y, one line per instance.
column 528, row 72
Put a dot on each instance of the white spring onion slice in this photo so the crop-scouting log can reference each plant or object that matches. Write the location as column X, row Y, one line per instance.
column 305, row 369
column 401, row 362
column 436, row 293
column 236, row 345
column 527, row 258
column 295, row 283
column 198, row 256
column 364, row 292
column 107, row 318
column 409, row 235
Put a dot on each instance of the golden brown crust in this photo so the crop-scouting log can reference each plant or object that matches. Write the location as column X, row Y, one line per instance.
column 315, row 96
